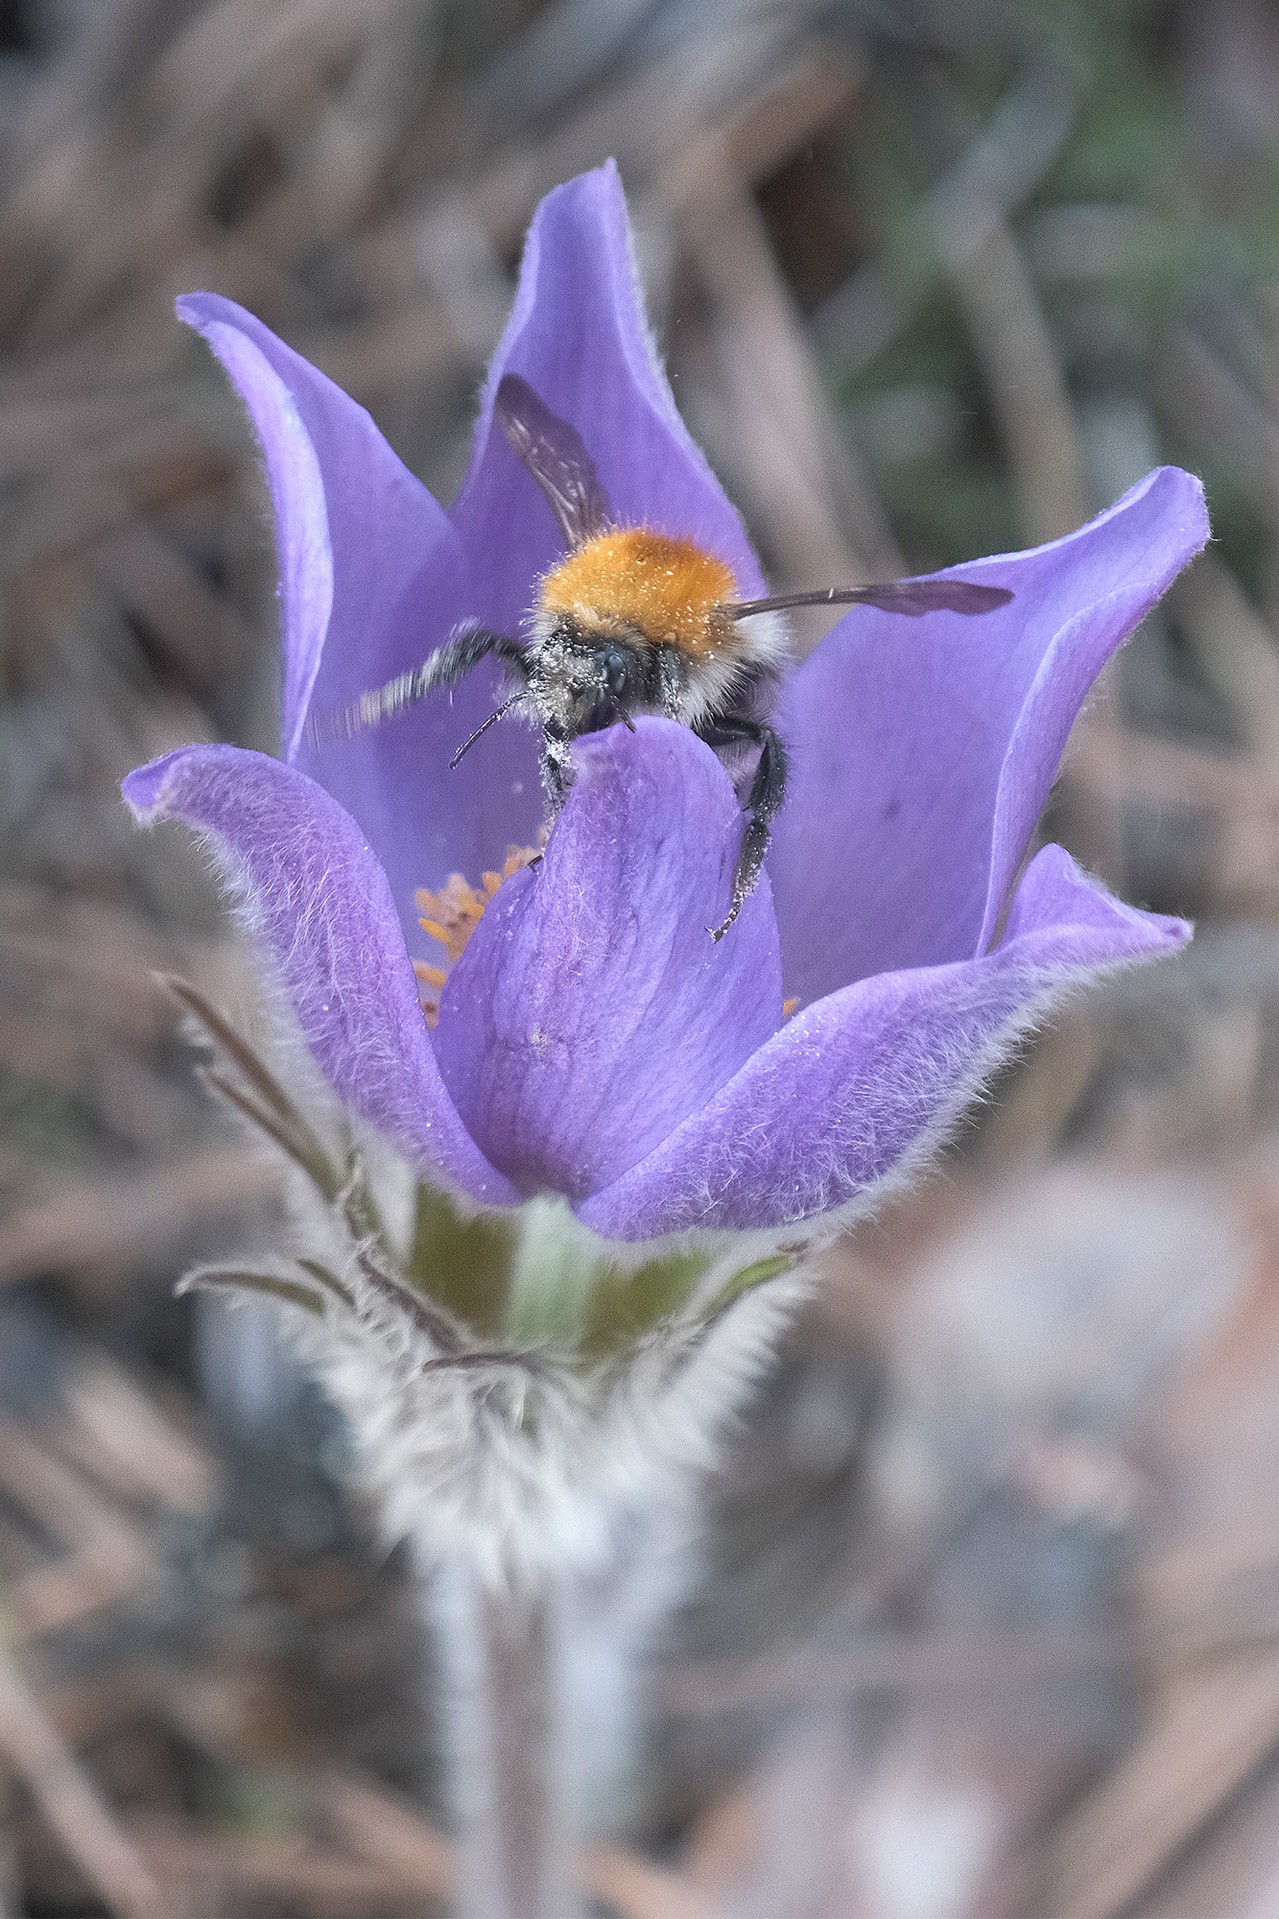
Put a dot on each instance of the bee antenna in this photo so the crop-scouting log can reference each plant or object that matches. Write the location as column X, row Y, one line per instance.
column 483, row 728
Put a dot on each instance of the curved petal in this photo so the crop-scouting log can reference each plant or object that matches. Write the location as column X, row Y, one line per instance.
column 578, row 335
column 866, row 1083
column 372, row 578
column 923, row 749
column 592, row 1011
column 317, row 898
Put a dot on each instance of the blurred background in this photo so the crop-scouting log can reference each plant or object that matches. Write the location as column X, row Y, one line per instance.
column 988, row 1620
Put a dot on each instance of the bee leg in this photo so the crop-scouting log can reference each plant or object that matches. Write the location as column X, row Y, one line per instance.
column 672, row 680
column 768, row 790
column 466, row 647
column 557, row 767
column 451, row 662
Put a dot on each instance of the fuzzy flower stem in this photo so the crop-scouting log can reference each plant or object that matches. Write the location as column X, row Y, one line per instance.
column 504, row 1659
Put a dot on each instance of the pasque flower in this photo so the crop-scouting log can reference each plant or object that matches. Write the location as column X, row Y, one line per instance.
column 591, row 1039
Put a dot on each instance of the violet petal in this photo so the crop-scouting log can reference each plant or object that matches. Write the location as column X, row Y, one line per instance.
column 372, row 578
column 591, row 1011
column 578, row 335
column 922, row 750
column 868, row 1082
column 315, row 895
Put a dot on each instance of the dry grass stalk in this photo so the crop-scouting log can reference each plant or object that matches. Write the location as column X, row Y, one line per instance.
column 111, row 1863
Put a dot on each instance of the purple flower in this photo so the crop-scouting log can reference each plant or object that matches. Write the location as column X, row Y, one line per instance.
column 592, row 1040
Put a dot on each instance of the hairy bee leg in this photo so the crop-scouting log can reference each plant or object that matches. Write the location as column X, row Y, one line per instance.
column 450, row 663
column 465, row 648
column 672, row 680
column 557, row 768
column 768, row 790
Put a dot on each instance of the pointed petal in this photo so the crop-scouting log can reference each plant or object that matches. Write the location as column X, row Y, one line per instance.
column 923, row 749
column 372, row 578
column 314, row 894
column 592, row 1011
column 868, row 1082
column 578, row 335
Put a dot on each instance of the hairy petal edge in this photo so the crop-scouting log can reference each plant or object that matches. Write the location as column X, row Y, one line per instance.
column 318, row 900
column 866, row 1083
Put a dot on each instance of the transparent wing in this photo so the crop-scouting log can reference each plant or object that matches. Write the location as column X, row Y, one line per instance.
column 911, row 597
column 552, row 451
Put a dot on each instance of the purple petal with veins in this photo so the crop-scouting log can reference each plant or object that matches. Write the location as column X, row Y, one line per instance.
column 592, row 1012
column 923, row 750
column 877, row 1074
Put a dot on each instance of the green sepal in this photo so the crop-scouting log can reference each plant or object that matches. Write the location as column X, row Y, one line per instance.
column 625, row 1305
column 553, row 1275
column 463, row 1262
column 749, row 1277
column 569, row 1289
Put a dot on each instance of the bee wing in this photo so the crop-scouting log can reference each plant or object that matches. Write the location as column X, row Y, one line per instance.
column 911, row 597
column 930, row 596
column 552, row 451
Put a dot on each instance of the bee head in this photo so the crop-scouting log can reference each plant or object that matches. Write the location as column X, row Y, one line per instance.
column 585, row 680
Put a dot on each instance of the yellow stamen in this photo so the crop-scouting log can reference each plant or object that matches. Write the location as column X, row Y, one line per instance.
column 452, row 915
column 788, row 1007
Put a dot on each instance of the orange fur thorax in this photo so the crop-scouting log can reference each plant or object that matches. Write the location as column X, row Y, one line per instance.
column 667, row 591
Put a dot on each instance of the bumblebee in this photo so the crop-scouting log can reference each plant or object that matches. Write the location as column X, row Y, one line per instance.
column 635, row 621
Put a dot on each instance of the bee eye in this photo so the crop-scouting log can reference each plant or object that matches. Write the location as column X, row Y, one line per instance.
column 615, row 668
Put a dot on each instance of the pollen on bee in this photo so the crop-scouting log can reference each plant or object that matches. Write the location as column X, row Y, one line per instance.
column 452, row 915
column 668, row 590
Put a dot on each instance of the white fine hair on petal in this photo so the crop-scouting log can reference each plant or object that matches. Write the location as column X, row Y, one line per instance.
column 966, row 1072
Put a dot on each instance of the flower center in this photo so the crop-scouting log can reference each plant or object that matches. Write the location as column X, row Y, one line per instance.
column 452, row 915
